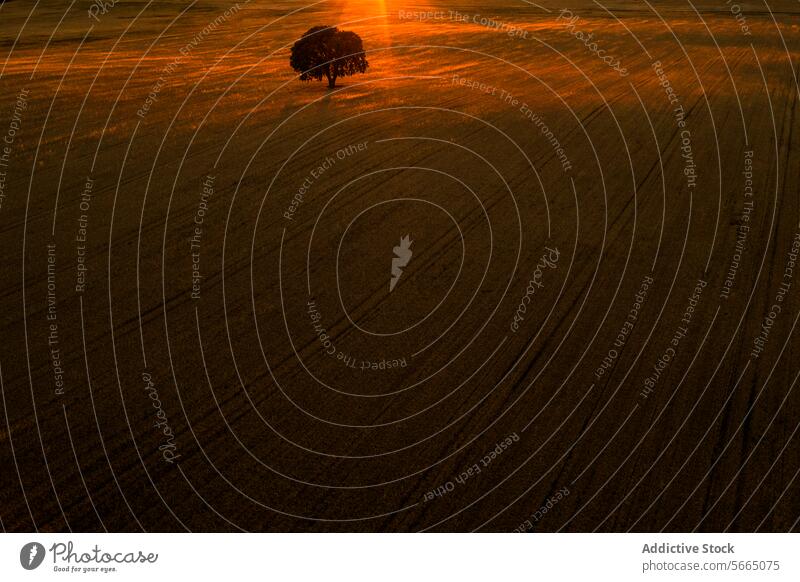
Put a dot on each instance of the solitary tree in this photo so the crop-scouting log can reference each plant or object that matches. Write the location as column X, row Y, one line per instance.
column 326, row 51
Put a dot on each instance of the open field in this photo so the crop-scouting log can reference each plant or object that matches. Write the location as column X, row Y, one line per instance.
column 598, row 318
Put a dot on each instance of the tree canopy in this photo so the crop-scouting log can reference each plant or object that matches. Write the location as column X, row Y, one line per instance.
column 326, row 51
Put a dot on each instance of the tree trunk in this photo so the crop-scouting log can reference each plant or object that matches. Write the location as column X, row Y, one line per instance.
column 332, row 81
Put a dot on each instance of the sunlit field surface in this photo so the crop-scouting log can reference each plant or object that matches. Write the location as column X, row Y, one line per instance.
column 228, row 355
